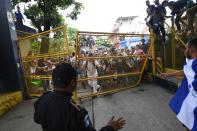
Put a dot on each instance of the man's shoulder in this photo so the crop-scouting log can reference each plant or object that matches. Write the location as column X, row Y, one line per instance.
column 45, row 96
column 78, row 107
column 194, row 65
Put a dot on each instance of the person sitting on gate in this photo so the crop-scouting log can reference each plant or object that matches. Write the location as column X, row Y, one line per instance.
column 184, row 102
column 149, row 10
column 177, row 8
column 191, row 9
column 158, row 18
column 19, row 16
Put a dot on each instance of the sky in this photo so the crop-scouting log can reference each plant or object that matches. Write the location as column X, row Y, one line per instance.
column 100, row 15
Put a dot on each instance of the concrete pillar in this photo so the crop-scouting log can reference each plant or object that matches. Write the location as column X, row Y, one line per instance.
column 10, row 68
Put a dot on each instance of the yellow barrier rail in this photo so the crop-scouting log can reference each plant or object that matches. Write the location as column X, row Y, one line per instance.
column 56, row 37
column 50, row 55
column 106, row 92
column 103, row 77
column 174, row 32
column 44, row 77
column 42, row 33
column 134, row 74
column 111, row 33
column 159, row 67
column 108, row 57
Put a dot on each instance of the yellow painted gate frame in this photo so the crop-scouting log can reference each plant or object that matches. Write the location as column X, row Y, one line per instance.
column 28, row 77
column 27, row 59
column 151, row 48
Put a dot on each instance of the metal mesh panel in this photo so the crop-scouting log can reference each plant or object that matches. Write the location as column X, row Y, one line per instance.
column 105, row 62
column 109, row 62
column 40, row 53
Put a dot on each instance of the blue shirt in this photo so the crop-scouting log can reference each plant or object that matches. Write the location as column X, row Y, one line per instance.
column 18, row 16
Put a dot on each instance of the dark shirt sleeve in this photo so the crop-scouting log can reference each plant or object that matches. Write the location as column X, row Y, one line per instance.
column 37, row 113
column 148, row 14
column 173, row 13
column 36, row 119
column 107, row 128
column 86, row 124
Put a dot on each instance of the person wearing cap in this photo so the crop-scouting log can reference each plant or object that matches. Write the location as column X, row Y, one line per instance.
column 56, row 111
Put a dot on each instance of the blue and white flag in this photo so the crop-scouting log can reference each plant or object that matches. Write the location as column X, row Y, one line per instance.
column 184, row 102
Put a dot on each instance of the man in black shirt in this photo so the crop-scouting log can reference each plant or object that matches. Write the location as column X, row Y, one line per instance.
column 149, row 10
column 159, row 18
column 177, row 8
column 56, row 111
column 190, row 15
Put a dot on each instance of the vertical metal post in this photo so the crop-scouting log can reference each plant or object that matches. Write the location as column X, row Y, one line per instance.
column 10, row 68
column 93, row 114
column 173, row 46
column 66, row 46
column 164, row 64
column 76, row 56
column 153, row 52
column 173, row 52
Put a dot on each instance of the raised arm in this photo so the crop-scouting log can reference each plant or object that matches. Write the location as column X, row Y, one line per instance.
column 177, row 73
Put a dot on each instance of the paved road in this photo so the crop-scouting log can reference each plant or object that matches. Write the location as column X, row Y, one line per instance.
column 145, row 108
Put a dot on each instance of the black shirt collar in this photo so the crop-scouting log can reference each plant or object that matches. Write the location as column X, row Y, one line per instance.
column 64, row 93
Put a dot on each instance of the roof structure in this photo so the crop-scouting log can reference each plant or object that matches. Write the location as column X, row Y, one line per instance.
column 126, row 18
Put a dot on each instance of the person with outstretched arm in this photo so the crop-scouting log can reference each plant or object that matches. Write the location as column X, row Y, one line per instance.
column 56, row 111
column 184, row 102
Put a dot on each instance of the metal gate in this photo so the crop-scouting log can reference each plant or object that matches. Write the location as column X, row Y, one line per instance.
column 39, row 54
column 110, row 62
column 106, row 62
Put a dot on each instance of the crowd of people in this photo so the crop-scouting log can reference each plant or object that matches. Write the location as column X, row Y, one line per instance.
column 44, row 67
column 57, row 111
column 92, row 67
column 105, row 65
column 157, row 15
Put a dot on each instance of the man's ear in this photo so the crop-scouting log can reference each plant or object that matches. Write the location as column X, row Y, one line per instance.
column 192, row 50
column 73, row 82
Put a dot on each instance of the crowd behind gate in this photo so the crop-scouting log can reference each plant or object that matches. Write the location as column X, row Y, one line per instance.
column 123, row 61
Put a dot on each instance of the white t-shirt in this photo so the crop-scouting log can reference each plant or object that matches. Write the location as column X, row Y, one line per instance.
column 33, row 69
column 72, row 59
column 91, row 68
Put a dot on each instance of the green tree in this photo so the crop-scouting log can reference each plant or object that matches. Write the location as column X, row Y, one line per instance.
column 71, row 35
column 103, row 41
column 44, row 15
